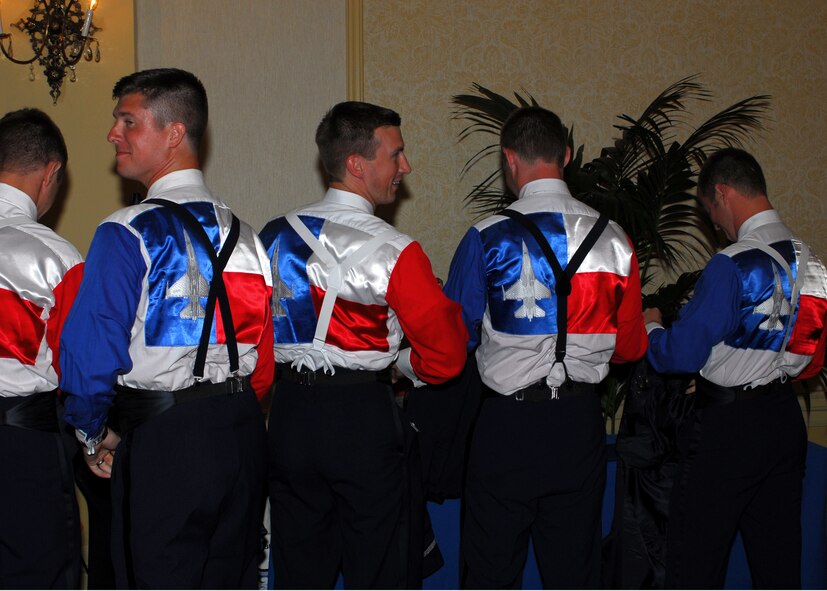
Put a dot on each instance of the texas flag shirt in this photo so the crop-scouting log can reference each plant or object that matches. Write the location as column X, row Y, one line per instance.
column 139, row 315
column 40, row 274
column 507, row 290
column 388, row 293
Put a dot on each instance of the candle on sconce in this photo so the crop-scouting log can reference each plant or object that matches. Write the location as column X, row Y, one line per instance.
column 88, row 22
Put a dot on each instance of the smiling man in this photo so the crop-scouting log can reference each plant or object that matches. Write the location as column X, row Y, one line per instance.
column 146, row 335
column 347, row 287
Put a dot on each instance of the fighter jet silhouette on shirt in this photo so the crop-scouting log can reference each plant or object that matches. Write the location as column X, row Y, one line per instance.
column 280, row 288
column 190, row 285
column 528, row 289
column 774, row 307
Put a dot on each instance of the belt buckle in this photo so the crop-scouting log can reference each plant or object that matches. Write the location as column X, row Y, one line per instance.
column 555, row 393
column 519, row 396
column 305, row 378
column 235, row 384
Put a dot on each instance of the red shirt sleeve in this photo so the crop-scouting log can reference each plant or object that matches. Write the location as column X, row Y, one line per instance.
column 262, row 377
column 431, row 322
column 631, row 331
column 65, row 293
column 817, row 362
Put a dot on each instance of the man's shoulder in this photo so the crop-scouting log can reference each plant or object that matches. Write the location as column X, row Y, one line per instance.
column 126, row 215
column 331, row 218
column 136, row 214
column 567, row 211
column 36, row 241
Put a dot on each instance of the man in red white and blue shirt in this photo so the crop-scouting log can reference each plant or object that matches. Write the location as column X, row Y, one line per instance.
column 347, row 286
column 40, row 273
column 172, row 325
column 537, row 463
column 755, row 321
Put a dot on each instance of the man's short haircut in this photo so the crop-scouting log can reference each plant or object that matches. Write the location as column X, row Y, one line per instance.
column 348, row 128
column 535, row 133
column 173, row 96
column 733, row 167
column 29, row 140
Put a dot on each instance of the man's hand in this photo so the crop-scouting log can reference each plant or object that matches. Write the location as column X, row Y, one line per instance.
column 652, row 315
column 101, row 462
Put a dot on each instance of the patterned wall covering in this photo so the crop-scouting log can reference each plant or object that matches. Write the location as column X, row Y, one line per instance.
column 83, row 113
column 272, row 70
column 590, row 61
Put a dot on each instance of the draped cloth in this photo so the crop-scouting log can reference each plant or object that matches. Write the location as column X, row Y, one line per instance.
column 634, row 552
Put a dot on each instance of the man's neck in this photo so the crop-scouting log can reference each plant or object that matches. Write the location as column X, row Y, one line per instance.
column 350, row 187
column 749, row 206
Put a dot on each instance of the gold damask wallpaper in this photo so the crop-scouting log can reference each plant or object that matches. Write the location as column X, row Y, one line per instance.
column 590, row 61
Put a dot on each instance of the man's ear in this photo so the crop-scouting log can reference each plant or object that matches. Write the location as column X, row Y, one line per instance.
column 723, row 190
column 567, row 158
column 355, row 165
column 52, row 172
column 510, row 157
column 177, row 133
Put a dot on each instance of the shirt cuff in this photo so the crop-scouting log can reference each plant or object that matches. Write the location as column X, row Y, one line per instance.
column 650, row 326
column 403, row 362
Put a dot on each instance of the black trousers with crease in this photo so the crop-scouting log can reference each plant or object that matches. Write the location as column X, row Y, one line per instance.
column 536, row 469
column 741, row 470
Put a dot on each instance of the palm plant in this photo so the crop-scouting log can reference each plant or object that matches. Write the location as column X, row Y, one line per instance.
column 644, row 181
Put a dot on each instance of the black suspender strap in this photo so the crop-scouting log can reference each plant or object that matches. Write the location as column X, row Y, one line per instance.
column 562, row 277
column 218, row 290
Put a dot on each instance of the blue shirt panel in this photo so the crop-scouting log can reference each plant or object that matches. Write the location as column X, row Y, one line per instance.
column 298, row 323
column 164, row 239
column 758, row 279
column 504, row 264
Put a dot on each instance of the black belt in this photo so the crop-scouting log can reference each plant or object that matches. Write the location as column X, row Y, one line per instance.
column 37, row 412
column 134, row 406
column 541, row 391
column 343, row 376
column 710, row 394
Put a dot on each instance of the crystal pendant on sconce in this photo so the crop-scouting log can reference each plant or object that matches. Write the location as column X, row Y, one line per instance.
column 60, row 34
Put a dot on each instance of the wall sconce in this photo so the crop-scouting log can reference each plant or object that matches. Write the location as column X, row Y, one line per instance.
column 59, row 34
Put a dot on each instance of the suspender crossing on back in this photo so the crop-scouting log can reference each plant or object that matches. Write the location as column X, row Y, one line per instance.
column 562, row 277
column 336, row 271
column 218, row 290
column 795, row 284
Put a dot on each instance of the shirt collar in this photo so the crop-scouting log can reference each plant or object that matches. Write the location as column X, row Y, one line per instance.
column 544, row 186
column 349, row 199
column 173, row 180
column 14, row 202
column 762, row 218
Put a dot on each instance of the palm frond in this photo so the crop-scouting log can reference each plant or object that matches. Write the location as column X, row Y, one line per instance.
column 486, row 110
column 730, row 127
column 644, row 180
column 668, row 108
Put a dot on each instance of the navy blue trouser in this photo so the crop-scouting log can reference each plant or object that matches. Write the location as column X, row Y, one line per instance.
column 535, row 469
column 39, row 523
column 339, row 487
column 741, row 470
column 188, row 490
